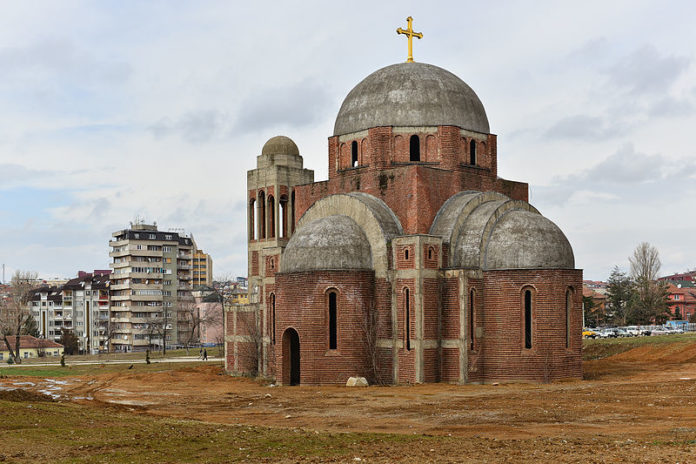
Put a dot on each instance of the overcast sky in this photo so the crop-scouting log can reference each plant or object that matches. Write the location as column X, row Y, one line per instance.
column 112, row 109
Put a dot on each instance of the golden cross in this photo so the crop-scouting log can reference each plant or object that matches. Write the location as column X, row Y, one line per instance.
column 410, row 34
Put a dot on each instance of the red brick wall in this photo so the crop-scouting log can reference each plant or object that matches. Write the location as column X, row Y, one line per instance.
column 430, row 256
column 402, row 262
column 505, row 357
column 415, row 192
column 302, row 304
column 254, row 263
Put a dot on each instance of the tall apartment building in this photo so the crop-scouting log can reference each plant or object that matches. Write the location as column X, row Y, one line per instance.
column 202, row 268
column 150, row 287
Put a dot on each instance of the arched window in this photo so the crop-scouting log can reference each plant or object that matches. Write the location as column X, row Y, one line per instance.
column 354, row 153
column 292, row 212
column 430, row 253
column 406, row 254
column 528, row 319
column 472, row 152
column 407, row 318
column 471, row 319
column 415, row 148
column 273, row 318
column 271, row 217
column 568, row 306
column 252, row 207
column 333, row 329
column 284, row 216
column 261, row 216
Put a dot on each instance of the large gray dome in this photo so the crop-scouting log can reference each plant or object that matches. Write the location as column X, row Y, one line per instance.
column 411, row 94
column 332, row 242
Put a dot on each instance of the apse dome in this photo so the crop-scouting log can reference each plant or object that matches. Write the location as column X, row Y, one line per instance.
column 330, row 243
column 411, row 94
column 527, row 240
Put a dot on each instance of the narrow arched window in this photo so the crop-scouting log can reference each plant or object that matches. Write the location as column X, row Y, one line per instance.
column 471, row 320
column 472, row 152
column 271, row 217
column 333, row 329
column 354, row 153
column 527, row 319
column 407, row 318
column 262, row 214
column 568, row 306
column 273, row 317
column 292, row 212
column 430, row 253
column 406, row 254
column 284, row 216
column 252, row 207
column 415, row 148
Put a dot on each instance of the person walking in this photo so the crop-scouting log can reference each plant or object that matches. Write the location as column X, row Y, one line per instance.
column 205, row 355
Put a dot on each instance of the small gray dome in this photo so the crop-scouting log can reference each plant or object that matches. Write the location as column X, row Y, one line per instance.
column 333, row 242
column 411, row 94
column 280, row 145
column 527, row 240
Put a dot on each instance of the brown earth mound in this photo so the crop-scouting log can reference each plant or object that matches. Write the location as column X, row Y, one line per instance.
column 23, row 396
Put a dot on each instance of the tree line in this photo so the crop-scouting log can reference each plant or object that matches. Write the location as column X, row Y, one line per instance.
column 634, row 298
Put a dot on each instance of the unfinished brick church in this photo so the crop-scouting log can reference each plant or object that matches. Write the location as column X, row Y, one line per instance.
column 414, row 262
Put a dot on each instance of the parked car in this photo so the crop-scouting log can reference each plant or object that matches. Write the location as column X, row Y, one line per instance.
column 587, row 333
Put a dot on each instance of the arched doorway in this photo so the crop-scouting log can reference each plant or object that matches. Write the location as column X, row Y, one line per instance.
column 291, row 357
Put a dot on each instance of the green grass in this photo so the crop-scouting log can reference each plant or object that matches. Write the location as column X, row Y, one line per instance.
column 605, row 347
column 43, row 431
column 106, row 357
column 93, row 369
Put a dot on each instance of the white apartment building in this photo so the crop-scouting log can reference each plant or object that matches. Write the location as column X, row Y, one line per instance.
column 150, row 288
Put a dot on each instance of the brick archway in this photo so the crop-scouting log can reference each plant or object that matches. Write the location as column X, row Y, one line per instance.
column 291, row 357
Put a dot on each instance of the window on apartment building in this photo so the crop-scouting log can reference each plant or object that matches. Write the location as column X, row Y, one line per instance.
column 152, row 236
column 136, row 235
column 167, row 237
column 167, row 249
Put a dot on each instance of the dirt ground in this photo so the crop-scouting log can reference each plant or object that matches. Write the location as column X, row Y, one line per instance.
column 637, row 406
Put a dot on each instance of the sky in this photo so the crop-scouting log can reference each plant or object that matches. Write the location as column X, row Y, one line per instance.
column 113, row 110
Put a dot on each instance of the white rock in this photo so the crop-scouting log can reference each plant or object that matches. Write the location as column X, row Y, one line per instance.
column 357, row 382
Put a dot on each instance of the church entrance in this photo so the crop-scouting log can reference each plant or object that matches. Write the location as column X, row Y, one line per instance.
column 291, row 357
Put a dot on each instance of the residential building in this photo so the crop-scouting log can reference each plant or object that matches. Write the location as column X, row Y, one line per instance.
column 87, row 296
column 31, row 347
column 682, row 301
column 202, row 268
column 80, row 305
column 150, row 287
column 46, row 305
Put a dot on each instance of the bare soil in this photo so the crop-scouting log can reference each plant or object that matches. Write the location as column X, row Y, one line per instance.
column 636, row 406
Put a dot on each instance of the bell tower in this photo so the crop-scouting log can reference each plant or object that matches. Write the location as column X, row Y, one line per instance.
column 271, row 218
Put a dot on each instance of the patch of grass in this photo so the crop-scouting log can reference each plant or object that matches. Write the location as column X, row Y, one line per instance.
column 94, row 369
column 66, row 432
column 604, row 347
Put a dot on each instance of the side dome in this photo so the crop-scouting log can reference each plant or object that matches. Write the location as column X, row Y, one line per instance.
column 330, row 243
column 280, row 145
column 527, row 240
column 411, row 94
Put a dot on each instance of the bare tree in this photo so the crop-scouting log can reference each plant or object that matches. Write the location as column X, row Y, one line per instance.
column 645, row 262
column 15, row 311
column 650, row 301
column 369, row 327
